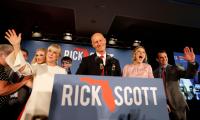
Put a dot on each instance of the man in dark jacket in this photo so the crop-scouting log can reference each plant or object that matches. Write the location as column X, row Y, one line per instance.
column 100, row 63
column 171, row 74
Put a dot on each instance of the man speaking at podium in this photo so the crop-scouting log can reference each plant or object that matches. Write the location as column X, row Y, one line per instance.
column 99, row 63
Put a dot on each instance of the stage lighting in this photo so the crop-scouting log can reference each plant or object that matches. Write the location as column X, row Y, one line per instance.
column 136, row 43
column 67, row 36
column 112, row 40
column 36, row 33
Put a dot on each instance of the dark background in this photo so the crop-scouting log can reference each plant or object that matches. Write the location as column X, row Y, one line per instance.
column 159, row 24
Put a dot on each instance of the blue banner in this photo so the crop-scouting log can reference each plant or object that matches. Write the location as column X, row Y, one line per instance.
column 82, row 97
column 77, row 52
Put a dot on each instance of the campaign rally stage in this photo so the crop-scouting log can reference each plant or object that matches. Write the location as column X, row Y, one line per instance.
column 85, row 97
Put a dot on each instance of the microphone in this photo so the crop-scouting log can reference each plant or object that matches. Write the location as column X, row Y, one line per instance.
column 99, row 61
column 101, row 66
column 111, row 61
column 113, row 67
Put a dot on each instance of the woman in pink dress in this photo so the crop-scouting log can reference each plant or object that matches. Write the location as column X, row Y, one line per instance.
column 139, row 68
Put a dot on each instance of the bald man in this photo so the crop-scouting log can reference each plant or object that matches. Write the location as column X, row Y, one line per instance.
column 99, row 63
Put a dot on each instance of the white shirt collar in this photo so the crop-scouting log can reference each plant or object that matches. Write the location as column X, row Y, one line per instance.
column 104, row 57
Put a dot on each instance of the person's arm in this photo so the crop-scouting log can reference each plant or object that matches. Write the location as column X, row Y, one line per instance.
column 124, row 73
column 191, row 70
column 29, row 83
column 118, row 69
column 14, row 40
column 16, row 60
column 82, row 69
column 192, row 64
column 7, row 89
column 150, row 72
column 189, row 55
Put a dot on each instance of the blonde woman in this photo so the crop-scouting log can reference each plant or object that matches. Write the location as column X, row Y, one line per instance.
column 40, row 56
column 139, row 67
column 43, row 76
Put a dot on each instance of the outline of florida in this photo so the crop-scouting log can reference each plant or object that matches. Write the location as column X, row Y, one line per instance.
column 107, row 93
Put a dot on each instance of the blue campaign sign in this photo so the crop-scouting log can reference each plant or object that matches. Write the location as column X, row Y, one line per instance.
column 77, row 52
column 82, row 97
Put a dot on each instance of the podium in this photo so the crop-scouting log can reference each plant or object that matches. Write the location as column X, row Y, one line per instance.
column 86, row 97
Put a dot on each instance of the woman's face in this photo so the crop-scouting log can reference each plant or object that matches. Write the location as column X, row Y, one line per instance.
column 40, row 57
column 140, row 55
column 52, row 55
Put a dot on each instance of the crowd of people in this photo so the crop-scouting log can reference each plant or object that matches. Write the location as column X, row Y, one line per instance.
column 37, row 77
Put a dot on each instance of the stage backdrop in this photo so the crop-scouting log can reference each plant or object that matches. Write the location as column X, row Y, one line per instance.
column 82, row 97
column 190, row 88
column 77, row 52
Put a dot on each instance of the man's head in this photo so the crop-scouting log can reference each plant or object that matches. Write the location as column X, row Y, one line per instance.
column 66, row 62
column 162, row 58
column 5, row 50
column 99, row 42
column 25, row 54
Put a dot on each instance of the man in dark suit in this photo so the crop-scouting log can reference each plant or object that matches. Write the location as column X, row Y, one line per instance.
column 171, row 74
column 100, row 63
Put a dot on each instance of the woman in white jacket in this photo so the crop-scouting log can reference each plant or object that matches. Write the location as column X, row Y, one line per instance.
column 43, row 76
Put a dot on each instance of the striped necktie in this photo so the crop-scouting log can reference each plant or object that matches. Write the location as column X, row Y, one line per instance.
column 163, row 75
column 102, row 66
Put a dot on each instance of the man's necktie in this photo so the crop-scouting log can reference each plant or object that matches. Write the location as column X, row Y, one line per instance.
column 102, row 66
column 163, row 75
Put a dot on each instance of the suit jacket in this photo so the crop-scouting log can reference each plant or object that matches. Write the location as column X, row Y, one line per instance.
column 175, row 98
column 91, row 65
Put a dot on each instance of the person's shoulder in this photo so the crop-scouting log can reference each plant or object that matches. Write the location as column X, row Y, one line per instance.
column 36, row 65
column 115, row 59
column 59, row 67
column 146, row 64
column 89, row 57
column 128, row 65
column 1, row 67
column 172, row 66
column 62, row 70
column 156, row 70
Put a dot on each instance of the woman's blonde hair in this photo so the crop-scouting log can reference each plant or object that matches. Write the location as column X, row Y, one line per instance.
column 58, row 47
column 39, row 49
column 134, row 52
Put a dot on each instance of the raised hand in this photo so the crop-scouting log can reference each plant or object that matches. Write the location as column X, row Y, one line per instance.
column 189, row 54
column 13, row 38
